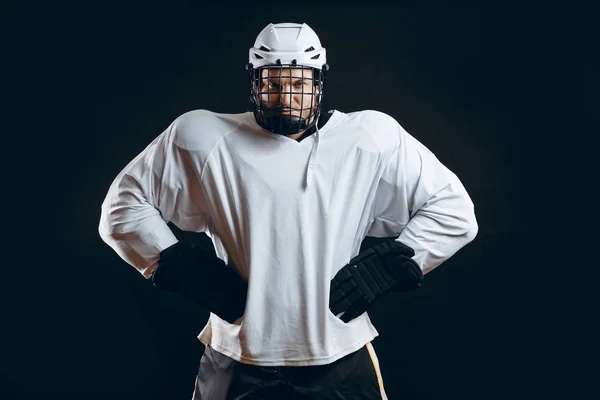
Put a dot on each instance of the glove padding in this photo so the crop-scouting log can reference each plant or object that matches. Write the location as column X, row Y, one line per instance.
column 199, row 275
column 371, row 276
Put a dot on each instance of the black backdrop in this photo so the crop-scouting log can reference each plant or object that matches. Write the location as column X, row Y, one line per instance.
column 95, row 83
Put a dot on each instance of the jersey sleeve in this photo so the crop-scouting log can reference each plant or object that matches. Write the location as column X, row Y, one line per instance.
column 149, row 192
column 422, row 201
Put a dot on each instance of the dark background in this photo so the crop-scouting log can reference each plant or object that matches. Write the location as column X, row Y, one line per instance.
column 91, row 85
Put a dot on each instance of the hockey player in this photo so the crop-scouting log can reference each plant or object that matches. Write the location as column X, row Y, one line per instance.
column 287, row 192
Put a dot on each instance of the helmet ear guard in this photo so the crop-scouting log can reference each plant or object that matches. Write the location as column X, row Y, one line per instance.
column 324, row 71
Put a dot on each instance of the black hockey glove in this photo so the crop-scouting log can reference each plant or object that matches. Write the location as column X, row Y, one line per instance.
column 199, row 275
column 372, row 275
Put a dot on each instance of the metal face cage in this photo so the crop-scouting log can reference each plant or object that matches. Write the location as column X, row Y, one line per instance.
column 286, row 99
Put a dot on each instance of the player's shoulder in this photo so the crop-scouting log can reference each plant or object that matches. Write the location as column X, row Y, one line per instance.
column 381, row 129
column 202, row 129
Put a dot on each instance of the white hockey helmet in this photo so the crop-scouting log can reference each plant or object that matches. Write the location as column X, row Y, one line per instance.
column 288, row 43
column 286, row 46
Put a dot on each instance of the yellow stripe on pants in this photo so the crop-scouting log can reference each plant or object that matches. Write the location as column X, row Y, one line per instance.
column 375, row 362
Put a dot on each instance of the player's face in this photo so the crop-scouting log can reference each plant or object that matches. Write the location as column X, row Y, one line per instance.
column 284, row 90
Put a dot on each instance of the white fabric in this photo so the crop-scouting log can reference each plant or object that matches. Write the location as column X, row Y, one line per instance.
column 289, row 217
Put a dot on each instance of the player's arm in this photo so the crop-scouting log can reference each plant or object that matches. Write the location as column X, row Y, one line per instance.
column 146, row 194
column 427, row 207
column 426, row 203
column 130, row 221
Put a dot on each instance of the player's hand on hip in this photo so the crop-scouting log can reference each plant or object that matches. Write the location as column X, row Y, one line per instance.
column 195, row 271
column 371, row 276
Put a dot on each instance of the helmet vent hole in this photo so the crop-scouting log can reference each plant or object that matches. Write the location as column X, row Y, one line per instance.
column 315, row 57
column 309, row 49
column 258, row 57
column 263, row 48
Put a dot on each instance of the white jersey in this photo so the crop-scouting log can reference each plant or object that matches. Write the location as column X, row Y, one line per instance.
column 289, row 215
